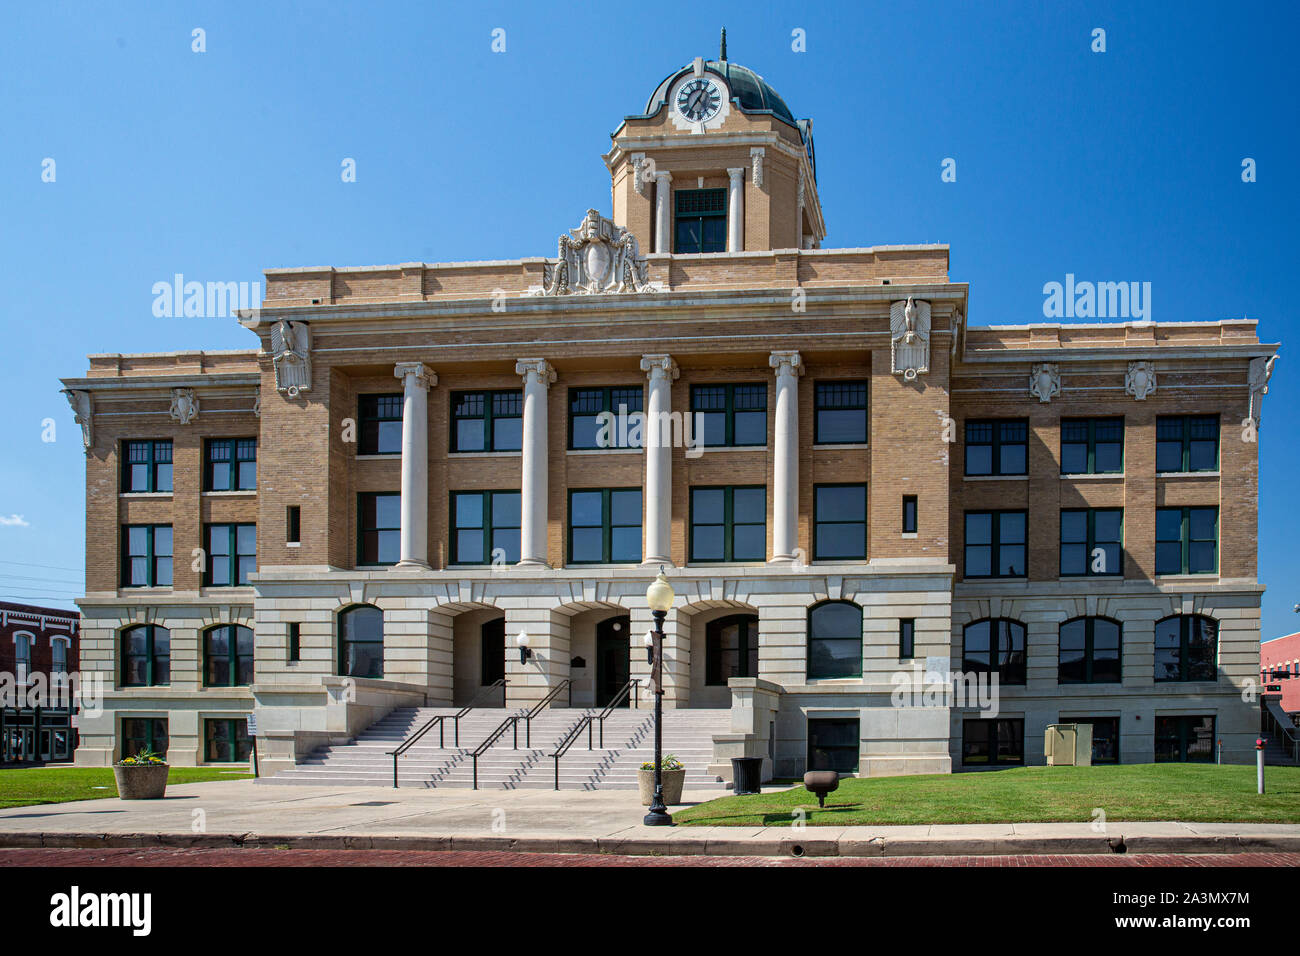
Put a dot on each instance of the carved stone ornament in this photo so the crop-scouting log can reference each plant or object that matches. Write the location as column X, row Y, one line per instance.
column 1045, row 381
column 957, row 319
column 1261, row 370
column 82, row 412
column 909, row 338
column 1140, row 381
column 291, row 353
column 638, row 173
column 597, row 258
column 756, row 154
column 185, row 406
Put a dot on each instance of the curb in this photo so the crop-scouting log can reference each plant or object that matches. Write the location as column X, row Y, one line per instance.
column 783, row 847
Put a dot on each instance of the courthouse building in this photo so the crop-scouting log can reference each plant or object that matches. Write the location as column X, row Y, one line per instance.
column 414, row 464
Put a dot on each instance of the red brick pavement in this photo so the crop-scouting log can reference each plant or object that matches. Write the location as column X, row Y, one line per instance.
column 166, row 856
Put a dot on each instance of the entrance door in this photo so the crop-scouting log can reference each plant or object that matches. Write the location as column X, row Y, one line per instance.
column 613, row 659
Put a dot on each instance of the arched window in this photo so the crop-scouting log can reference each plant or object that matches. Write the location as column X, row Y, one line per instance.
column 1187, row 648
column 361, row 642
column 59, row 654
column 23, row 643
column 730, row 649
column 835, row 640
column 146, row 656
column 1090, row 651
column 228, row 656
column 995, row 646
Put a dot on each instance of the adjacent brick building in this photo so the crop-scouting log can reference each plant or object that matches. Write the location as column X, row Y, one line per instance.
column 36, row 711
column 368, row 508
column 1279, row 670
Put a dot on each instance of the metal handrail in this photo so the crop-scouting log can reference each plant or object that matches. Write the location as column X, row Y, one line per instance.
column 1289, row 734
column 511, row 721
column 537, row 708
column 588, row 719
column 441, row 721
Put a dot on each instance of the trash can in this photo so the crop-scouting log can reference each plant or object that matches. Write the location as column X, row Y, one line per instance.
column 747, row 774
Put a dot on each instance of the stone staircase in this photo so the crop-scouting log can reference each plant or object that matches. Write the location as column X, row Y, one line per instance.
column 629, row 741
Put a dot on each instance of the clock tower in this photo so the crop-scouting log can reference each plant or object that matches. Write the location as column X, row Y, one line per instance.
column 716, row 163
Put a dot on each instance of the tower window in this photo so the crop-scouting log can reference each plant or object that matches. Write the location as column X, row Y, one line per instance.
column 700, row 220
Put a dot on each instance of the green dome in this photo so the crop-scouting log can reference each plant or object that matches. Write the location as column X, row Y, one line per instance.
column 754, row 93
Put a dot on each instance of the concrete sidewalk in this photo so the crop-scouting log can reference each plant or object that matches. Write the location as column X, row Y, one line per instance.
column 241, row 813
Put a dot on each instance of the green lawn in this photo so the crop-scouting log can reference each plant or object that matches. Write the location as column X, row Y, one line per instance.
column 1190, row 792
column 26, row 787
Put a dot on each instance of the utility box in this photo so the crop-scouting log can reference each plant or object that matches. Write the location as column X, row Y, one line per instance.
column 1068, row 745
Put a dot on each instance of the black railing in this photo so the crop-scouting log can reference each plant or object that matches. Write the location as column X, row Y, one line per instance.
column 631, row 687
column 1287, row 734
column 511, row 721
column 440, row 720
column 537, row 708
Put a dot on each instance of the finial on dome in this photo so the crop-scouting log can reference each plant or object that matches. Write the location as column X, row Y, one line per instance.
column 723, row 53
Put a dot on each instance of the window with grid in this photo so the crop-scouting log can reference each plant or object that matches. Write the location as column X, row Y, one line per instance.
column 380, row 421
column 1090, row 651
column 1092, row 541
column 995, row 646
column 485, row 527
column 840, row 413
column 487, row 421
column 226, row 740
column 232, row 555
column 605, row 526
column 147, row 556
column 834, row 640
column 1187, row 648
column 379, row 528
column 147, row 466
column 144, row 733
column 598, row 417
column 997, row 447
column 988, row 743
column 731, row 649
column 732, row 415
column 228, row 656
column 1187, row 443
column 700, row 220
column 995, row 544
column 728, row 523
column 1092, row 446
column 1185, row 739
column 834, row 743
column 231, row 464
column 839, row 522
column 1187, row 540
column 146, row 656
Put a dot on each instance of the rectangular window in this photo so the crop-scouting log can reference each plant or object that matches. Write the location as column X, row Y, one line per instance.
column 1105, row 737
column 59, row 656
column 1187, row 649
column 1185, row 739
column 147, row 466
column 487, row 421
column 226, row 740
column 144, row 733
column 839, row 522
column 1187, row 540
column 232, row 555
column 588, row 407
column 907, row 638
column 1092, row 541
column 729, row 523
column 293, row 524
column 1090, row 651
column 380, row 418
column 1092, row 446
column 485, row 527
column 22, row 657
column 1187, row 443
column 995, row 544
column 605, row 526
column 700, row 221
column 147, row 556
column 991, row 743
column 840, row 413
column 230, row 464
column 379, row 528
column 294, row 651
column 909, row 514
column 733, row 415
column 999, row 447
column 834, row 744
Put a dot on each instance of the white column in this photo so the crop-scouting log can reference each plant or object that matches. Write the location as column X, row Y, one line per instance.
column 416, row 380
column 538, row 376
column 663, row 212
column 736, row 210
column 660, row 370
column 785, row 471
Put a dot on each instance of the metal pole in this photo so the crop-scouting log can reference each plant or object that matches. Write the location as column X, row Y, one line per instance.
column 1259, row 764
column 658, row 815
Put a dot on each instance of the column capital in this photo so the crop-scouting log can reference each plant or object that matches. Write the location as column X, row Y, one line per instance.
column 541, row 370
column 659, row 367
column 424, row 377
column 736, row 173
column 663, row 176
column 786, row 363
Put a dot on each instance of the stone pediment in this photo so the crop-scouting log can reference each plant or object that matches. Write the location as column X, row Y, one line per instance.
column 599, row 257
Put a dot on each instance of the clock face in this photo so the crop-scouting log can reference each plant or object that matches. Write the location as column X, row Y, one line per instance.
column 699, row 100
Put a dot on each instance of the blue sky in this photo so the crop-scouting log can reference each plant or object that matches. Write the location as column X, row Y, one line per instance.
column 1122, row 165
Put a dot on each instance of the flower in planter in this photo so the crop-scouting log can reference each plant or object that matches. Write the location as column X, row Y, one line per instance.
column 145, row 758
column 670, row 763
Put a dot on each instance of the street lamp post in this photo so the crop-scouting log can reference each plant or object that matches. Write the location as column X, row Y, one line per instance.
column 660, row 598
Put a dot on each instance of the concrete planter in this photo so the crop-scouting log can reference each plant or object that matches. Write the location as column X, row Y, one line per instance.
column 141, row 783
column 674, row 780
